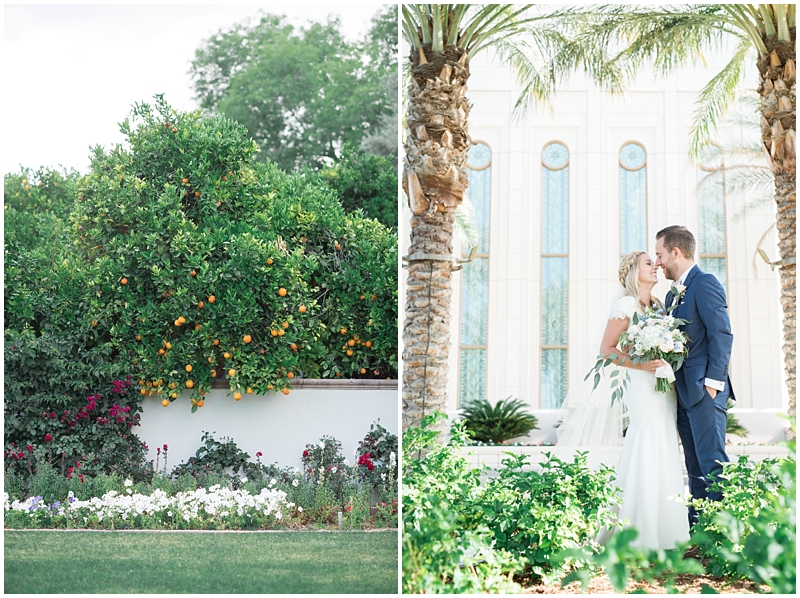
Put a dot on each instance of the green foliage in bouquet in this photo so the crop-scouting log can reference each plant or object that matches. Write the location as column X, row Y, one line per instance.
column 507, row 419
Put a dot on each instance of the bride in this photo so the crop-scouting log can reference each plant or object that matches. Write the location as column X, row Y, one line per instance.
column 649, row 469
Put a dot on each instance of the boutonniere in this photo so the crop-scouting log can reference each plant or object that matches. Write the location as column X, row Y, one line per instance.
column 678, row 291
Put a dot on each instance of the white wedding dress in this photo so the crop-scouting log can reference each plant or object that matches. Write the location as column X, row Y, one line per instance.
column 649, row 470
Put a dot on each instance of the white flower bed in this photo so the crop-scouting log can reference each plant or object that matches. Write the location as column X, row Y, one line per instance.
column 201, row 505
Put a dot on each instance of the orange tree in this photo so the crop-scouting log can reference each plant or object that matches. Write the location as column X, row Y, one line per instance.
column 206, row 263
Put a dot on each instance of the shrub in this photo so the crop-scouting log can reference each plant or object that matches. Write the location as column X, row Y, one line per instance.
column 377, row 457
column 441, row 554
column 752, row 531
column 203, row 258
column 364, row 182
column 499, row 423
column 533, row 515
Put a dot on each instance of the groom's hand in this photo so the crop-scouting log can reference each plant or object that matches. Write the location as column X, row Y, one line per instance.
column 712, row 392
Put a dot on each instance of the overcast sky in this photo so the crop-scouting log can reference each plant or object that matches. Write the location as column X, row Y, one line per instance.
column 72, row 72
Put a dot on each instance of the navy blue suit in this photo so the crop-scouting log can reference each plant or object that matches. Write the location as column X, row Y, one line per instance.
column 701, row 419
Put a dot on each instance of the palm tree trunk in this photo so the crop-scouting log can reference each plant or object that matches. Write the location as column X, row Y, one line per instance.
column 434, row 180
column 778, row 129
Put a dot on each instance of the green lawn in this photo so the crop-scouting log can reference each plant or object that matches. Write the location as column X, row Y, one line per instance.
column 84, row 562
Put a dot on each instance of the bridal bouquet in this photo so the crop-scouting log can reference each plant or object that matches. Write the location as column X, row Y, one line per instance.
column 655, row 335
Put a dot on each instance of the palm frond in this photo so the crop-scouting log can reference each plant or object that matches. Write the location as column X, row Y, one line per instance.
column 715, row 98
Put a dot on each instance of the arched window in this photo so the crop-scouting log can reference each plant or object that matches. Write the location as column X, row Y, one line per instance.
column 712, row 243
column 555, row 274
column 474, row 325
column 632, row 198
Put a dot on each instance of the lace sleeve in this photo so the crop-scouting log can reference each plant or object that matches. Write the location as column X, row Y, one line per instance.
column 622, row 308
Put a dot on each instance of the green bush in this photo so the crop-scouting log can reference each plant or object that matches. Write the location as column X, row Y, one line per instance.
column 203, row 258
column 364, row 182
column 752, row 531
column 441, row 552
column 499, row 423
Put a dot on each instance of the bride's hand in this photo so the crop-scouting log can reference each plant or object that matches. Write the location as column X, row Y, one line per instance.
column 652, row 365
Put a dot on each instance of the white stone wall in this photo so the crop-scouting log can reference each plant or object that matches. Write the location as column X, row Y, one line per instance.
column 657, row 113
column 279, row 426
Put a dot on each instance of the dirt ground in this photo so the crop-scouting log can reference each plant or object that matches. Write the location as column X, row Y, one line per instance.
column 685, row 584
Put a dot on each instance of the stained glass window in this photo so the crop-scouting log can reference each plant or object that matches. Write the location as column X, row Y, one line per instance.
column 555, row 274
column 711, row 240
column 474, row 317
column 632, row 198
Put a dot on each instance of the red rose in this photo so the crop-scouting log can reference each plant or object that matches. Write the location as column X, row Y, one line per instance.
column 30, row 448
column 258, row 454
column 47, row 438
column 305, row 453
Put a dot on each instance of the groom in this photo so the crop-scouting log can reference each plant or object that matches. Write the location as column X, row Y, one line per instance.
column 702, row 383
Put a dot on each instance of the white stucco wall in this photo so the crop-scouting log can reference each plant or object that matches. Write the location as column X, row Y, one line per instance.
column 656, row 112
column 277, row 425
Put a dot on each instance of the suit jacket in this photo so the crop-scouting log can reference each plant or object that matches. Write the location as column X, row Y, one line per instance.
column 710, row 338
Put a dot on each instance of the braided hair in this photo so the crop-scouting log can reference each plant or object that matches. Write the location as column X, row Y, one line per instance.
column 629, row 277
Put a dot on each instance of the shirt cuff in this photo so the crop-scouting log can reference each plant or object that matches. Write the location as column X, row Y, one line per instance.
column 716, row 384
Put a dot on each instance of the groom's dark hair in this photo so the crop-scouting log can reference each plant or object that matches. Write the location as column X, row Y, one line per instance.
column 680, row 237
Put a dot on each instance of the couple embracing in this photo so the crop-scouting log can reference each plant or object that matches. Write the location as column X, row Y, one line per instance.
column 694, row 410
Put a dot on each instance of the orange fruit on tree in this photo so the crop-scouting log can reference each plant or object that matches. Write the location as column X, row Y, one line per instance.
column 213, row 374
column 198, row 326
column 368, row 344
column 269, row 261
column 302, row 309
column 363, row 370
column 211, row 298
column 374, row 296
column 189, row 384
column 124, row 281
column 168, row 346
column 177, row 322
column 216, row 341
column 246, row 339
column 363, row 297
column 184, row 181
column 188, row 368
column 349, row 352
column 285, row 324
column 343, row 330
column 197, row 194
column 290, row 375
column 282, row 292
column 262, row 351
column 138, row 337
column 231, row 372
column 281, row 332
column 285, row 391
column 200, row 403
column 269, row 386
column 226, row 355
column 377, row 373
column 193, row 273
column 249, row 390
column 182, row 320
column 161, row 351
column 201, row 305
column 174, row 395
column 144, row 392
column 351, row 343
column 165, row 402
column 237, row 396
column 273, row 332
column 293, row 347
column 210, row 360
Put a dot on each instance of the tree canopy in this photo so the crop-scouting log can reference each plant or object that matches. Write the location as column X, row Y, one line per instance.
column 302, row 92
